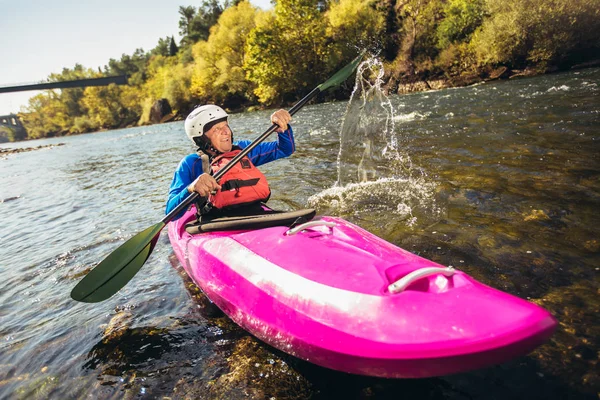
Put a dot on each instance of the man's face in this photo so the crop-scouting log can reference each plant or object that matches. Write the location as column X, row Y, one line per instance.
column 220, row 137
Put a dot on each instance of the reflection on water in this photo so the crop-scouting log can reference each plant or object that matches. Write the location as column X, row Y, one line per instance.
column 509, row 193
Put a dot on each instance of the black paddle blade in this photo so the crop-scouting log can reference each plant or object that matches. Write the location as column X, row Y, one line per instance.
column 108, row 277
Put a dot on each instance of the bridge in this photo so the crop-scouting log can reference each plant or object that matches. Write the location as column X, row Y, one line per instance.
column 105, row 81
column 11, row 127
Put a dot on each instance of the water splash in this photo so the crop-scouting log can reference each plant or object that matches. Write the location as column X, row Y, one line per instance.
column 375, row 174
column 368, row 128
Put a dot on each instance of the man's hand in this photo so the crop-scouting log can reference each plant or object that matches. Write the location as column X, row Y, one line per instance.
column 281, row 118
column 204, row 185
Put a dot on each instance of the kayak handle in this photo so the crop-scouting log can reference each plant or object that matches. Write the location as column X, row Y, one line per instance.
column 414, row 276
column 308, row 224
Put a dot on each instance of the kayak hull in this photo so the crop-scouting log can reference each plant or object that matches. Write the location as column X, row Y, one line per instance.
column 322, row 295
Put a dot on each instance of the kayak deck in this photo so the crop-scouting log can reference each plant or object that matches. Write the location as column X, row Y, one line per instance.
column 322, row 294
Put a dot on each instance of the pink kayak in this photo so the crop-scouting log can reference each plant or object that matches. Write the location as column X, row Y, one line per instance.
column 331, row 293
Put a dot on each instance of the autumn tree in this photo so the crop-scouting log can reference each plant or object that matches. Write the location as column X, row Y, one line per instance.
column 538, row 32
column 353, row 25
column 287, row 51
column 418, row 20
column 219, row 74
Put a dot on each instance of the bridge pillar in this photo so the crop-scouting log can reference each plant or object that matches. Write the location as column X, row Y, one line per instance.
column 11, row 128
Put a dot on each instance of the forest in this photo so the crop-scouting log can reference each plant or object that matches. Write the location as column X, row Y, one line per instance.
column 241, row 57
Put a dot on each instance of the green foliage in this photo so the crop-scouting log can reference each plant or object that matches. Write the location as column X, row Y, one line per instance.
column 418, row 23
column 133, row 66
column 162, row 48
column 167, row 78
column 106, row 108
column 521, row 32
column 194, row 25
column 173, row 49
column 166, row 47
column 218, row 69
column 352, row 25
column 286, row 52
column 461, row 18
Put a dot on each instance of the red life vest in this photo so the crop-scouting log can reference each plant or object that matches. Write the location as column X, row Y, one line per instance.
column 242, row 184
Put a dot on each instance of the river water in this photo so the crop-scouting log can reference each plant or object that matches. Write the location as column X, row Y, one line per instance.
column 500, row 180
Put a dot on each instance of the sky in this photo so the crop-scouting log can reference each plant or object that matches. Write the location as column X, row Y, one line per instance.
column 38, row 37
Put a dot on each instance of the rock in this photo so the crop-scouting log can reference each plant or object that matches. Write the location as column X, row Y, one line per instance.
column 536, row 215
column 117, row 326
column 161, row 111
column 526, row 72
column 499, row 73
column 4, row 151
column 592, row 245
column 254, row 372
column 418, row 86
column 438, row 84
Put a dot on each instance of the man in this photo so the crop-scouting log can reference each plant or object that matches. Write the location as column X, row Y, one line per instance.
column 208, row 128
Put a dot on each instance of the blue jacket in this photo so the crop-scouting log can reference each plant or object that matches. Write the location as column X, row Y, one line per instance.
column 190, row 167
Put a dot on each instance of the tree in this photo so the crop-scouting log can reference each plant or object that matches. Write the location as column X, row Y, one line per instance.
column 162, row 48
column 133, row 66
column 461, row 19
column 104, row 107
column 195, row 25
column 287, row 51
column 173, row 49
column 219, row 74
column 418, row 20
column 541, row 32
column 354, row 24
column 391, row 28
column 167, row 78
column 185, row 21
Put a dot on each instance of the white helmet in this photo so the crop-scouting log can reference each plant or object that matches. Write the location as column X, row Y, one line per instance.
column 201, row 119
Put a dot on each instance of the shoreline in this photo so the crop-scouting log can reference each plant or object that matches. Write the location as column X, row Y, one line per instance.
column 423, row 84
column 415, row 84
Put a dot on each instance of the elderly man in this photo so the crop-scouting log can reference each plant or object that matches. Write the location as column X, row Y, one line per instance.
column 244, row 185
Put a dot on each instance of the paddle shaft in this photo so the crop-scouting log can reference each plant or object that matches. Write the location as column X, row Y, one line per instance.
column 194, row 196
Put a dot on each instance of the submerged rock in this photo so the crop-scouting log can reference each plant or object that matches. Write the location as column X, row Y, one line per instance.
column 575, row 342
column 6, row 151
column 536, row 215
column 117, row 326
column 254, row 372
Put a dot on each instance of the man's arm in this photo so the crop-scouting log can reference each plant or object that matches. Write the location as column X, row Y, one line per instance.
column 270, row 151
column 187, row 171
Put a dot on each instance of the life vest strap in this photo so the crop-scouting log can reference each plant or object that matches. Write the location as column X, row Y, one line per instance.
column 238, row 183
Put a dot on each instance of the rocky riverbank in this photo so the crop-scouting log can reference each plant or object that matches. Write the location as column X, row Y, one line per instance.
column 422, row 82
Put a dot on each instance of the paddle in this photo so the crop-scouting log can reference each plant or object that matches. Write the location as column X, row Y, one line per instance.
column 108, row 277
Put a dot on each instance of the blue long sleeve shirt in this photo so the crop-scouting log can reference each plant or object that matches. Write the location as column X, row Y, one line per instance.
column 190, row 167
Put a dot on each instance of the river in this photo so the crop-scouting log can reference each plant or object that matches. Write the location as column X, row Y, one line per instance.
column 503, row 183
